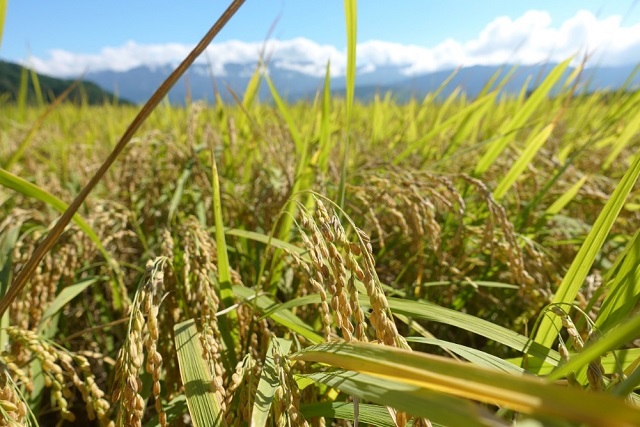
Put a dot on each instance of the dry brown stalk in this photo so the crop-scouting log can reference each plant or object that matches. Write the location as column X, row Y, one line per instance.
column 43, row 248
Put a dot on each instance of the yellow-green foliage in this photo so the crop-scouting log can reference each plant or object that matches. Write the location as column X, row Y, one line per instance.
column 462, row 220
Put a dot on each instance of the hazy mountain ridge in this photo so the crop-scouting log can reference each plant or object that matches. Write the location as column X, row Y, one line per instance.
column 139, row 83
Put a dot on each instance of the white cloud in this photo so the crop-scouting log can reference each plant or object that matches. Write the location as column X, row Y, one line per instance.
column 528, row 39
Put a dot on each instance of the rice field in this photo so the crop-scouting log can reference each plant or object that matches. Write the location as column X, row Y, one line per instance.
column 452, row 262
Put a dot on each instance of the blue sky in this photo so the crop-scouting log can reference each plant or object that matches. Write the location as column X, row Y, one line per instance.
column 67, row 37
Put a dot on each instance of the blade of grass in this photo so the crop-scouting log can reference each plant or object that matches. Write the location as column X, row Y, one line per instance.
column 18, row 184
column 409, row 398
column 36, row 88
column 3, row 15
column 301, row 179
column 204, row 408
column 579, row 269
column 525, row 394
column 610, row 361
column 566, row 197
column 615, row 338
column 624, row 292
column 324, row 135
column 8, row 240
column 474, row 356
column 23, row 93
column 284, row 317
column 268, row 383
column 177, row 194
column 631, row 128
column 224, row 270
column 66, row 295
column 435, row 313
column 351, row 18
column 50, row 239
column 532, row 146
column 226, row 323
column 509, row 129
column 374, row 415
column 458, row 116
column 631, row 383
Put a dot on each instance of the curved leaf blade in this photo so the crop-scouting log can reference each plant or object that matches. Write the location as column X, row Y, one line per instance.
column 525, row 394
column 204, row 408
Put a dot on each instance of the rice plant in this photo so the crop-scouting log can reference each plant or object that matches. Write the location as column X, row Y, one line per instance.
column 457, row 262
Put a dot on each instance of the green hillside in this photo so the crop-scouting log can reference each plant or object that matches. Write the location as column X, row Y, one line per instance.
column 50, row 87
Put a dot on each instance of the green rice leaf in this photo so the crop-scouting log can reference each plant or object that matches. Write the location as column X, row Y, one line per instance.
column 351, row 19
column 632, row 126
column 177, row 407
column 566, row 197
column 524, row 394
column 292, row 127
column 623, row 293
column 615, row 338
column 8, row 240
column 435, row 313
column 533, row 145
column 324, row 135
column 251, row 91
column 412, row 399
column 473, row 355
column 28, row 189
column 579, row 269
column 509, row 129
column 450, row 122
column 629, row 384
column 224, row 270
column 284, row 317
column 23, row 92
column 64, row 297
column 204, row 407
column 226, row 323
column 374, row 415
column 268, row 383
column 177, row 194
column 36, row 87
column 3, row 15
column 265, row 239
column 611, row 361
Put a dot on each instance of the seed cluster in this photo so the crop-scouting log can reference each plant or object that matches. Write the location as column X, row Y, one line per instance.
column 287, row 394
column 335, row 267
column 54, row 271
column 13, row 409
column 65, row 372
column 241, row 391
column 144, row 312
column 595, row 371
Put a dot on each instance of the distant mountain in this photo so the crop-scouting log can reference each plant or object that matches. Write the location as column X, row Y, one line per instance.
column 139, row 83
column 51, row 87
column 472, row 81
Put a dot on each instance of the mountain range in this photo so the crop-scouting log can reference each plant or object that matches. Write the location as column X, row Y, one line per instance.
column 138, row 84
column 49, row 88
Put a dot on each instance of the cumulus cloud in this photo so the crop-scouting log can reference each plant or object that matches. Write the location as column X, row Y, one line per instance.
column 529, row 39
